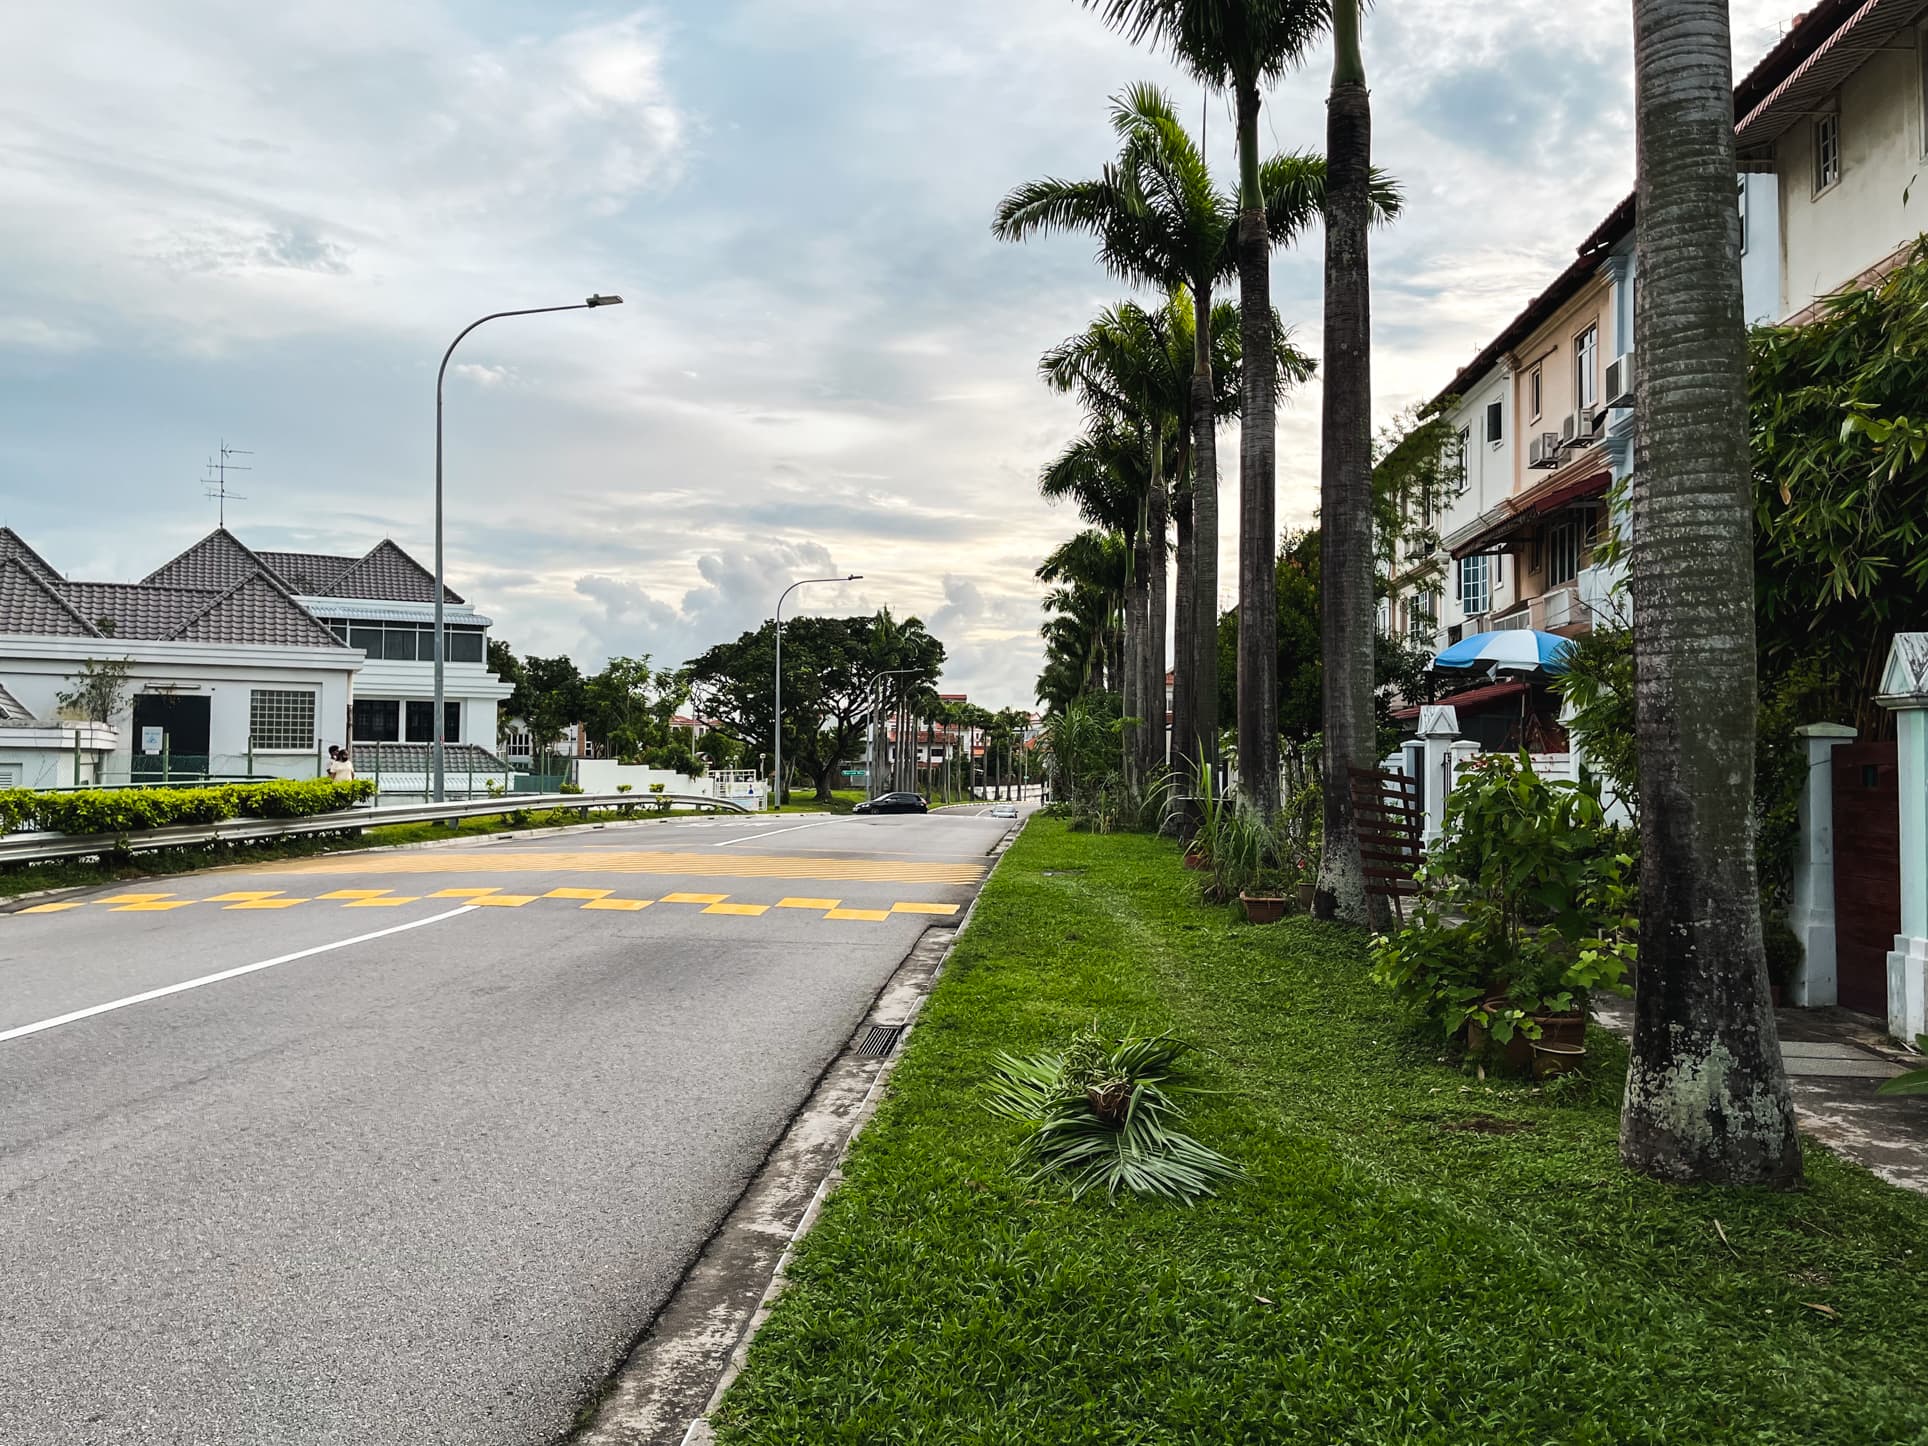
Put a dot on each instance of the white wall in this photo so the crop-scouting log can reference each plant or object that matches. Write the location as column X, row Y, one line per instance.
column 1881, row 200
column 35, row 670
column 470, row 685
column 606, row 775
column 1761, row 258
column 1489, row 481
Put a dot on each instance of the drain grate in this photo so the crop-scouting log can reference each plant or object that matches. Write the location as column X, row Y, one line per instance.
column 879, row 1040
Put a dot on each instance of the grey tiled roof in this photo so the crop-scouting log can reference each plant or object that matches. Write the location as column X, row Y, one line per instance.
column 390, row 574
column 137, row 609
column 415, row 758
column 308, row 573
column 219, row 560
column 13, row 547
column 29, row 605
column 255, row 610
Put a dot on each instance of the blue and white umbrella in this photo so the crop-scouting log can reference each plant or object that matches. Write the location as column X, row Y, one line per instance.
column 1515, row 650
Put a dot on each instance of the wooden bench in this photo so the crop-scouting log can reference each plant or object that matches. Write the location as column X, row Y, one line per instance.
column 1391, row 833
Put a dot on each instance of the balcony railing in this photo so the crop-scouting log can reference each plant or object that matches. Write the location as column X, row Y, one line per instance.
column 1519, row 617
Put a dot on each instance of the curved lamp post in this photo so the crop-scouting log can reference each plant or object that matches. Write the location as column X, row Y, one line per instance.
column 776, row 773
column 441, row 641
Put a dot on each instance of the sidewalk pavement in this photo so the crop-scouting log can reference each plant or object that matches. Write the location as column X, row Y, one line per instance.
column 1835, row 1059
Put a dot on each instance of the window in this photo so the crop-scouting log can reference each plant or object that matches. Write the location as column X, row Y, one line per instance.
column 399, row 644
column 1827, row 151
column 1563, row 553
column 378, row 720
column 1533, row 392
column 465, row 645
column 1586, row 369
column 421, row 717
column 1495, row 422
column 279, row 718
column 1475, row 586
column 1741, row 186
column 412, row 642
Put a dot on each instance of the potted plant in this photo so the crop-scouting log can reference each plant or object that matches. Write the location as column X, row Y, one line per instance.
column 1525, row 910
column 1265, row 900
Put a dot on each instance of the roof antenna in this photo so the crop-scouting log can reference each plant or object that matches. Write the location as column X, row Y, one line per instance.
column 216, row 482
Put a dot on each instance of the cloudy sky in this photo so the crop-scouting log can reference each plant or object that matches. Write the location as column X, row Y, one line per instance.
column 263, row 222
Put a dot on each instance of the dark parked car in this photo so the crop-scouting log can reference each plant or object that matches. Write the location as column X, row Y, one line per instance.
column 894, row 803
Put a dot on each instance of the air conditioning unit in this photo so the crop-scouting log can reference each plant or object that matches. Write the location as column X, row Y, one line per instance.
column 1544, row 451
column 1620, row 381
column 1575, row 429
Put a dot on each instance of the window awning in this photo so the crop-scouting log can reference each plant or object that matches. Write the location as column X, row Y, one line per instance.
column 1530, row 507
column 1862, row 36
column 1477, row 700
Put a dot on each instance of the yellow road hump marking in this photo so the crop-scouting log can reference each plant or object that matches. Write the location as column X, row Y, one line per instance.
column 694, row 898
column 578, row 893
column 355, row 894
column 808, row 903
column 942, row 910
column 132, row 898
column 504, row 901
column 705, row 865
column 382, row 901
column 55, row 908
column 266, row 904
column 870, row 916
column 462, row 893
column 244, row 897
column 751, row 910
column 629, row 905
column 151, row 908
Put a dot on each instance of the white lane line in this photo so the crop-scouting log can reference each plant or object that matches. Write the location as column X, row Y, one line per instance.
column 235, row 973
column 772, row 833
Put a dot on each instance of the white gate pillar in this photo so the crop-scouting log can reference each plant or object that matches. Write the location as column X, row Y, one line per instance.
column 1904, row 690
column 1811, row 915
column 1438, row 732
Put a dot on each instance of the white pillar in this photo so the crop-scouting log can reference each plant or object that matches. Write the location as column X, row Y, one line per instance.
column 1904, row 689
column 1438, row 732
column 1811, row 915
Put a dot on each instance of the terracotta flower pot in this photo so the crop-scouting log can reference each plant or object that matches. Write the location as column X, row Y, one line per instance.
column 1197, row 861
column 1262, row 909
column 1556, row 1059
column 1518, row 1054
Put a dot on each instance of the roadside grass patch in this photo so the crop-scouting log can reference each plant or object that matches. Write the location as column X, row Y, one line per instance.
column 1415, row 1255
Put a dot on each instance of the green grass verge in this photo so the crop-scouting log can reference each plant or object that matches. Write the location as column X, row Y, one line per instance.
column 805, row 800
column 1417, row 1256
column 18, row 879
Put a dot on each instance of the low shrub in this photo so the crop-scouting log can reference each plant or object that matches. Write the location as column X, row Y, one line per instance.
column 130, row 810
column 1526, row 906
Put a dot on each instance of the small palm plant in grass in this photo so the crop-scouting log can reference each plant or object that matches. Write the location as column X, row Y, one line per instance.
column 1915, row 1081
column 1104, row 1112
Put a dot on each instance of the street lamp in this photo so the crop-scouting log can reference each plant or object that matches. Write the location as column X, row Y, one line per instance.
column 441, row 642
column 776, row 774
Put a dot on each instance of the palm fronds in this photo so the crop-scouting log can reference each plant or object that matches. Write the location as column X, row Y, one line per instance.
column 1104, row 1113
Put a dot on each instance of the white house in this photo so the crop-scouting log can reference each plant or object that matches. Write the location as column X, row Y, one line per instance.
column 1835, row 115
column 242, row 664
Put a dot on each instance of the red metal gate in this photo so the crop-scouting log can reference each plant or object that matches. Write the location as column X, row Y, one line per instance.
column 1867, row 872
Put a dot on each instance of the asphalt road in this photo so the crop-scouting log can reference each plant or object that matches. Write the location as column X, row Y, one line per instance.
column 409, row 1146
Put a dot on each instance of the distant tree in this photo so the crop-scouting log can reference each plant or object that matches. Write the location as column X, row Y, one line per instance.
column 831, row 673
column 550, row 699
column 627, row 708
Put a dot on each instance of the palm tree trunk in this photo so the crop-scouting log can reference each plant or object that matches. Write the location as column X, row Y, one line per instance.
column 1184, row 620
column 1152, row 738
column 1204, row 654
column 1258, row 616
column 1707, row 1098
column 1137, row 645
column 1345, row 474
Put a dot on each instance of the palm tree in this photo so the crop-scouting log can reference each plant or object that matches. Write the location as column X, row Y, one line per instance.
column 1707, row 1097
column 1242, row 45
column 1161, row 221
column 1346, row 631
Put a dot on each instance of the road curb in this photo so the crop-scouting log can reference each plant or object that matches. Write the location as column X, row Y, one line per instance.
column 675, row 1375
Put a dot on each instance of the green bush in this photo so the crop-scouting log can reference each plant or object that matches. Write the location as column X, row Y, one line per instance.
column 1527, row 905
column 130, row 810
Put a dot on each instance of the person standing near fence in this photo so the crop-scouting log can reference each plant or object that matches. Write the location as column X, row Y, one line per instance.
column 341, row 768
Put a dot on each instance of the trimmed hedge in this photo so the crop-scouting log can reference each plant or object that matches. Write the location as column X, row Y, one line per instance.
column 128, row 810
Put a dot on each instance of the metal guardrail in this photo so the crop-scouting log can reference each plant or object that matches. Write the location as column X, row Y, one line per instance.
column 27, row 848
